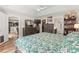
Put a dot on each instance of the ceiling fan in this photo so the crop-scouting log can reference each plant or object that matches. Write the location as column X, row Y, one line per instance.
column 41, row 8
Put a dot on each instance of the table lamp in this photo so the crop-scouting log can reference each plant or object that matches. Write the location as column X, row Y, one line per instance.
column 76, row 26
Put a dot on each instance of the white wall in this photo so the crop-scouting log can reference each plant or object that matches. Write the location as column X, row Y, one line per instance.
column 59, row 24
column 4, row 25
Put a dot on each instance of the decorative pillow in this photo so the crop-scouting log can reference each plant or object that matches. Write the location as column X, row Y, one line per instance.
column 73, row 34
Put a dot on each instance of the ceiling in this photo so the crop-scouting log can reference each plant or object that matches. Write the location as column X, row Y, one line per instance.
column 30, row 10
column 37, row 10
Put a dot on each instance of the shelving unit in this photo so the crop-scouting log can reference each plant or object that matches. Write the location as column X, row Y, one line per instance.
column 69, row 25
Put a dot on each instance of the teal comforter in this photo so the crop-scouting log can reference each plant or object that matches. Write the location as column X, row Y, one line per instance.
column 49, row 43
column 71, row 43
column 41, row 43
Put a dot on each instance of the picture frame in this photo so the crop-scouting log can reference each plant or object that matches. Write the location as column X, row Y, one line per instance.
column 49, row 20
column 28, row 22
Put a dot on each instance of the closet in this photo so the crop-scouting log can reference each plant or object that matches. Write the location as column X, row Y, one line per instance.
column 13, row 27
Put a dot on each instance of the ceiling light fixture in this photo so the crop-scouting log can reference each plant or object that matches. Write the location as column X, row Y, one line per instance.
column 41, row 8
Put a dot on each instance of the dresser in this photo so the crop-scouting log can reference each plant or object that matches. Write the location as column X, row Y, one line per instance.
column 29, row 30
column 48, row 28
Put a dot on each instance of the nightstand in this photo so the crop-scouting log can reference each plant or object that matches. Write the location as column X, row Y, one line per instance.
column 1, row 38
column 1, row 41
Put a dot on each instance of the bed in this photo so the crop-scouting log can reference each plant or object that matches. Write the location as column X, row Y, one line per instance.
column 49, row 43
column 40, row 43
column 71, row 43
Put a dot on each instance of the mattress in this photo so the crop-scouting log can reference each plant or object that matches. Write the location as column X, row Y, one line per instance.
column 40, row 43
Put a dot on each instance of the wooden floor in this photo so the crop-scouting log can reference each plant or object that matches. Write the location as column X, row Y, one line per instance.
column 8, row 47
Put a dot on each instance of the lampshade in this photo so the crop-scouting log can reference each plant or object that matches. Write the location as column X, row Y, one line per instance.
column 76, row 26
column 66, row 16
column 71, row 13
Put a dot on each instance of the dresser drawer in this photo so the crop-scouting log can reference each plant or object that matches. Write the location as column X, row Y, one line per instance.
column 48, row 28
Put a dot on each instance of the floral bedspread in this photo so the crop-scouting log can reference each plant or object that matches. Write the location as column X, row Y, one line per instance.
column 71, row 43
column 41, row 43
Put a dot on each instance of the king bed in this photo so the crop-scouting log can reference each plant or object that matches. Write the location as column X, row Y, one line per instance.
column 48, row 43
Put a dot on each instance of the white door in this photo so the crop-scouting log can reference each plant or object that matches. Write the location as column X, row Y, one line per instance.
column 4, row 26
column 59, row 24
